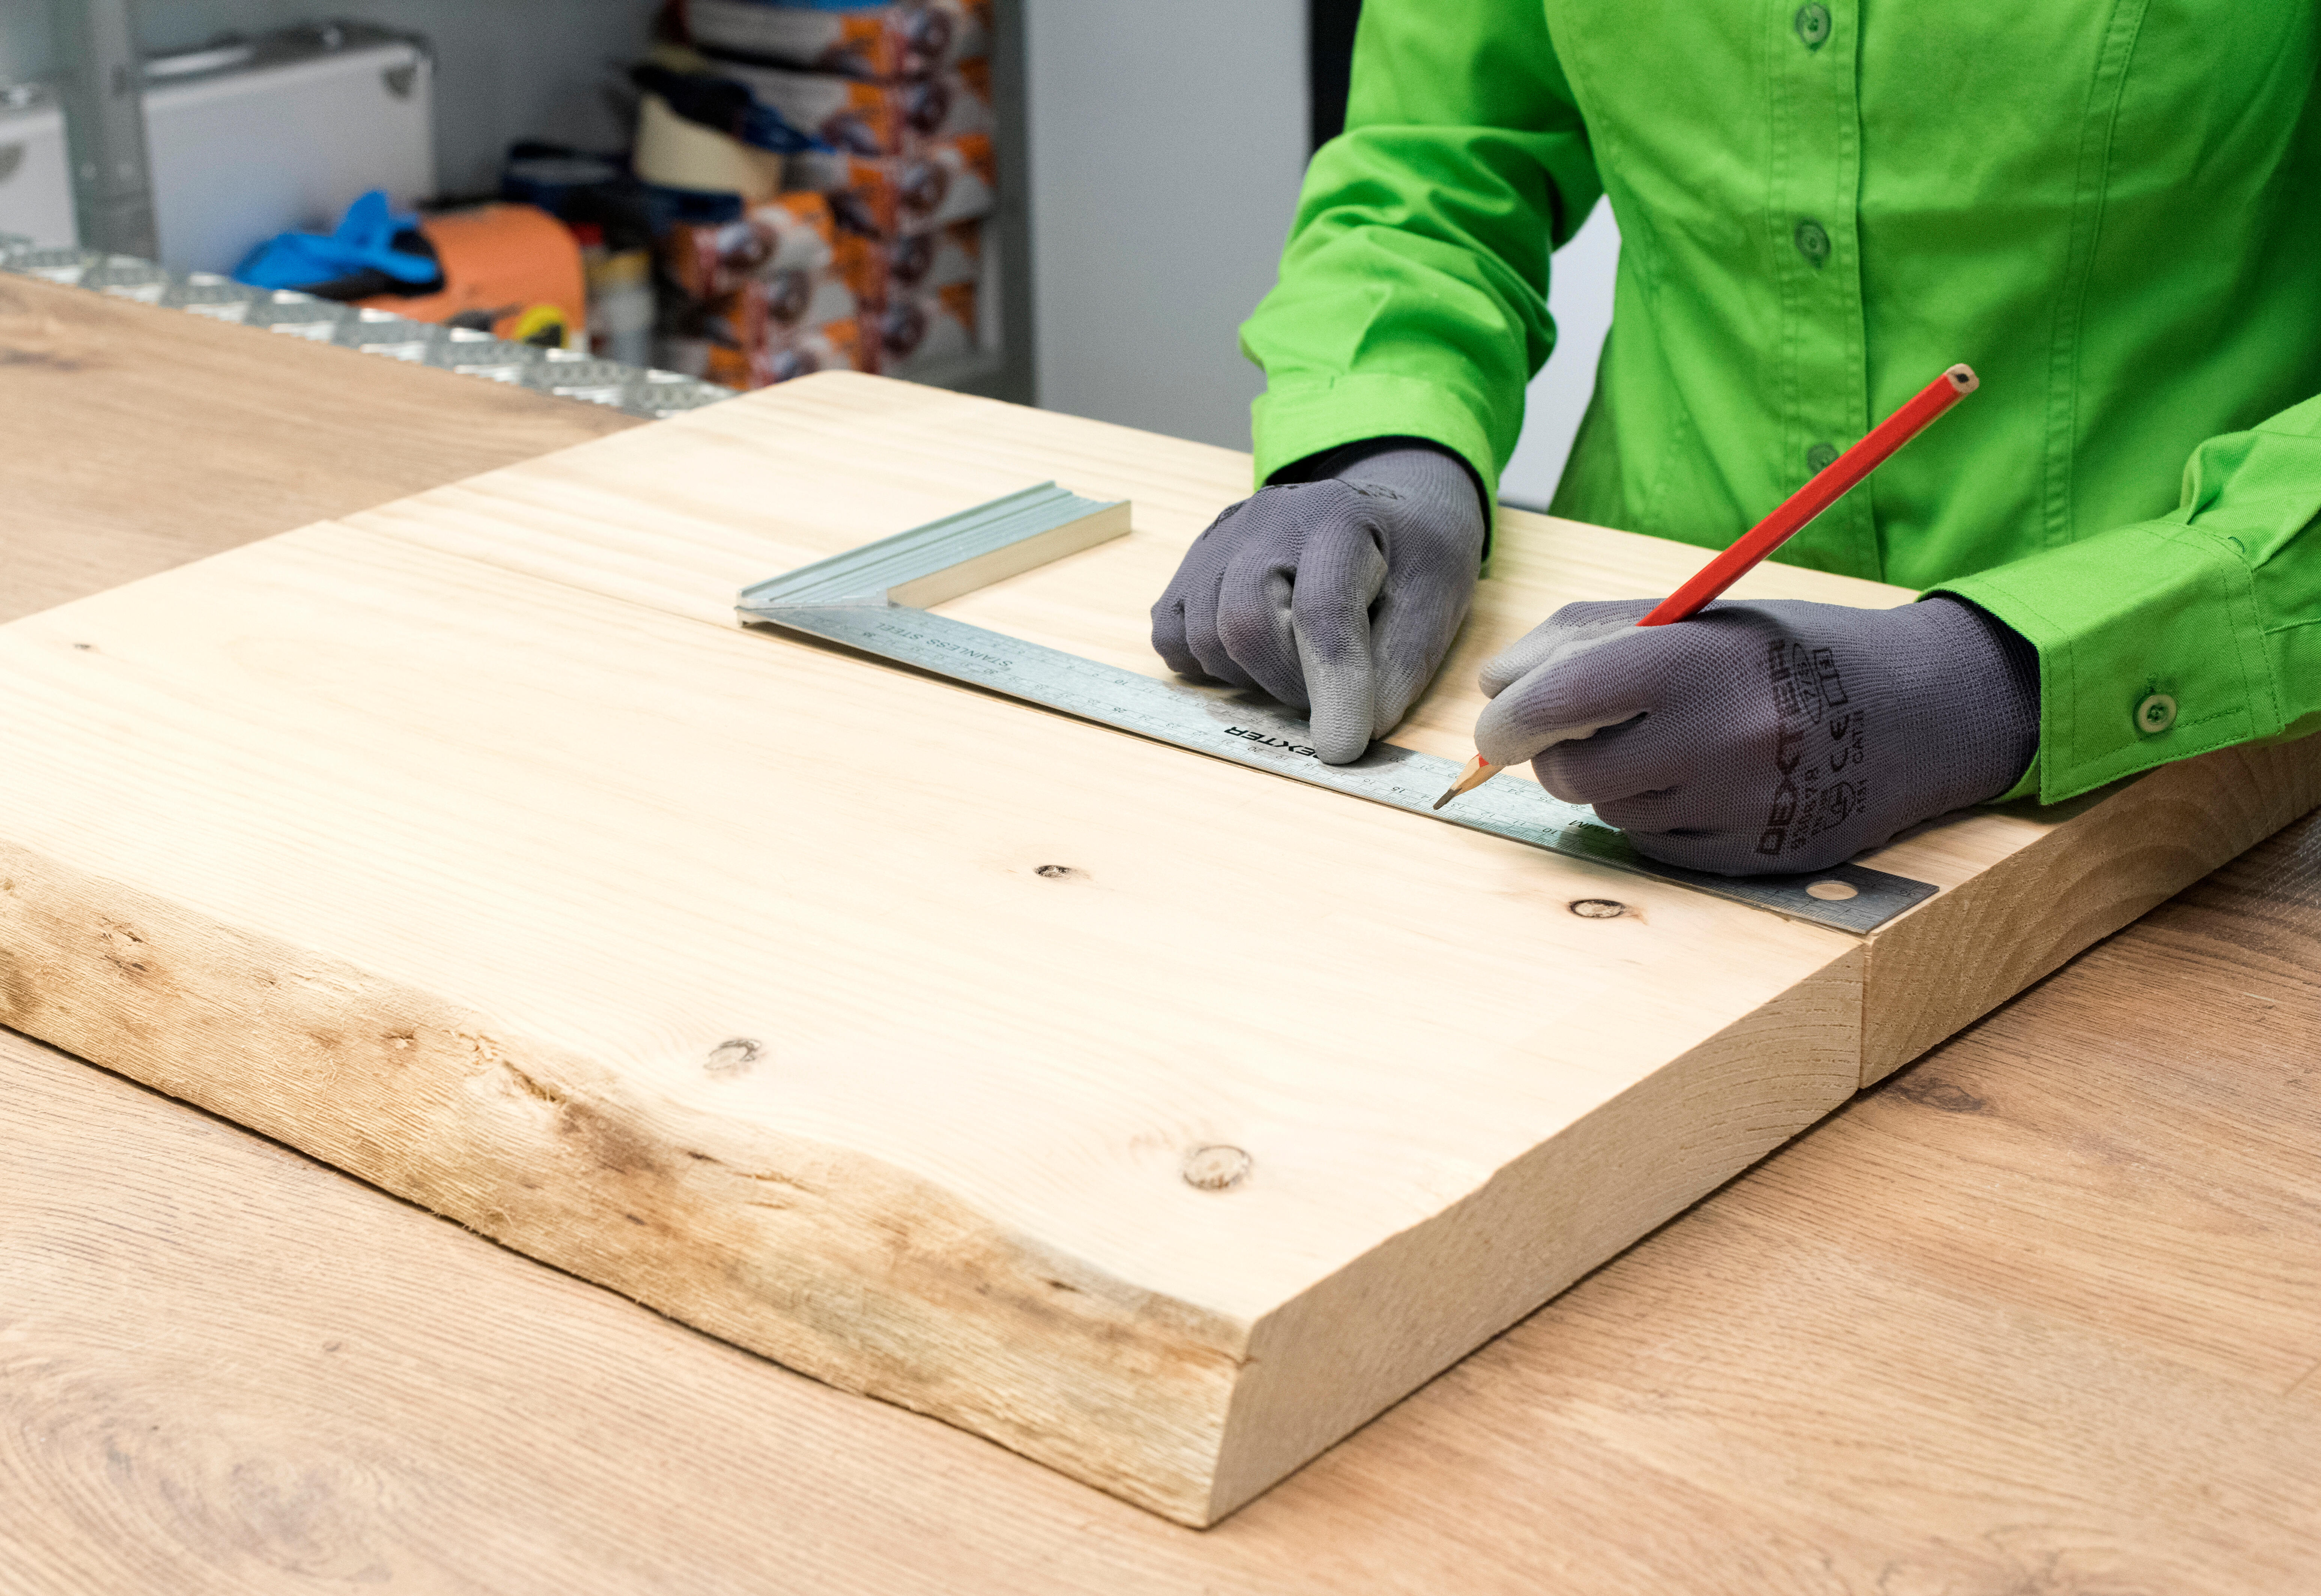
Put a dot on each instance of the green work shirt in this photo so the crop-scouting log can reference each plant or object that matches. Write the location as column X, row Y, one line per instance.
column 2110, row 208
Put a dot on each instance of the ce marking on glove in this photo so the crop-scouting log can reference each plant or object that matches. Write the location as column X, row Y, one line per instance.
column 1845, row 731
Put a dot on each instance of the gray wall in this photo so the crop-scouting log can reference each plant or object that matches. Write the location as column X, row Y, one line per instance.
column 1167, row 140
column 25, row 50
column 1166, row 145
column 508, row 68
column 1579, row 295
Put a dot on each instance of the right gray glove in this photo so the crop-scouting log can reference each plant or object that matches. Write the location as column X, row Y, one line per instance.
column 1766, row 735
column 1338, row 596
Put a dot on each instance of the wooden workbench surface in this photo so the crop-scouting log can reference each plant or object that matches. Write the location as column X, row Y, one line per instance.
column 2044, row 1312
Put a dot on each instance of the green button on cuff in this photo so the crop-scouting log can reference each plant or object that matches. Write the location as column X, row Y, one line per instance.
column 2155, row 715
column 1820, row 456
column 1812, row 24
column 1812, row 243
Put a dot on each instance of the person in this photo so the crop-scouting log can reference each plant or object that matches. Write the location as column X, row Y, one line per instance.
column 2111, row 209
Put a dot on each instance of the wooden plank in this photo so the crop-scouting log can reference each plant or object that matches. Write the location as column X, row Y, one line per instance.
column 2040, row 1312
column 174, row 1414
column 2075, row 874
column 493, row 866
column 140, row 438
column 409, row 943
column 538, row 846
column 2021, row 892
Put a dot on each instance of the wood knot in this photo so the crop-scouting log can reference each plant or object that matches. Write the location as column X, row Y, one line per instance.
column 1600, row 908
column 1058, row 872
column 1932, row 1092
column 733, row 1056
column 1215, row 1168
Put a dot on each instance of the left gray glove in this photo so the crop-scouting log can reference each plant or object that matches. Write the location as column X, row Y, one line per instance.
column 1338, row 596
column 1766, row 736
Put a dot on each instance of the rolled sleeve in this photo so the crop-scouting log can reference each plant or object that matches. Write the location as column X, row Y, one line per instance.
column 2169, row 638
column 1413, row 298
column 2151, row 649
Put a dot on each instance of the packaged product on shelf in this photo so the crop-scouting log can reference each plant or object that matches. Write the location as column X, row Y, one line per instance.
column 789, row 232
column 917, row 333
column 620, row 296
column 802, row 299
column 691, row 331
column 897, row 116
column 905, row 41
column 733, row 331
column 763, row 309
column 609, row 216
column 888, row 195
column 879, row 269
column 834, row 346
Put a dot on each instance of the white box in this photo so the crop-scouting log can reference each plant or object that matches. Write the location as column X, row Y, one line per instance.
column 283, row 135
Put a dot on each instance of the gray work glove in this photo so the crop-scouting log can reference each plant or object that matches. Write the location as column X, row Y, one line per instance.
column 1761, row 737
column 1338, row 596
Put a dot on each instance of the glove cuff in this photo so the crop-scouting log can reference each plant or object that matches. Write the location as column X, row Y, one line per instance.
column 1411, row 467
column 1966, row 688
column 1436, row 482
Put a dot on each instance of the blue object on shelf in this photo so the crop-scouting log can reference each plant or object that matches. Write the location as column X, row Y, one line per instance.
column 364, row 243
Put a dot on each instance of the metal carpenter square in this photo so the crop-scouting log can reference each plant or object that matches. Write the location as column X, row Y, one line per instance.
column 864, row 598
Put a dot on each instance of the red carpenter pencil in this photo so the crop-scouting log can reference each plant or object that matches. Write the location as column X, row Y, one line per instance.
column 1830, row 483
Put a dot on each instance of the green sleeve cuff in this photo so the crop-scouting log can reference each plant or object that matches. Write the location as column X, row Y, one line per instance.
column 2151, row 647
column 1292, row 420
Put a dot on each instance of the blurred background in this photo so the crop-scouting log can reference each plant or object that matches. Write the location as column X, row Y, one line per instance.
column 1070, row 203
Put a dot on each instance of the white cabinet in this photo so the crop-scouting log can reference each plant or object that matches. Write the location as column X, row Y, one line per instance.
column 284, row 136
column 35, row 182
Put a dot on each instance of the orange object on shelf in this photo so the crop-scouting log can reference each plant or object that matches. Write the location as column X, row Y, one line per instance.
column 512, row 270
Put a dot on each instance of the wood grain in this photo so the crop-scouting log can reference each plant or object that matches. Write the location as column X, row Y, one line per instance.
column 1974, row 1334
column 2087, row 869
column 773, row 478
column 2040, row 1314
column 516, row 854
column 140, row 438
column 491, row 869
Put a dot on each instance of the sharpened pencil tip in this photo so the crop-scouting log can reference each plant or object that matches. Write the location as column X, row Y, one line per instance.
column 1477, row 772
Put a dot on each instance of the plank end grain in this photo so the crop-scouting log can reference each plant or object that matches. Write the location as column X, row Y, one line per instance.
column 834, row 1264
column 513, row 896
column 2075, row 874
column 1356, row 1343
column 849, row 1269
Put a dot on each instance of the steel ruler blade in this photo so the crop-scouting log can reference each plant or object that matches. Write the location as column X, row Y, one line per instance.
column 827, row 600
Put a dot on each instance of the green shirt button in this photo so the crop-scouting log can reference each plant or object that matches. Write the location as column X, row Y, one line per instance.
column 1820, row 456
column 2155, row 714
column 1812, row 25
column 1812, row 243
